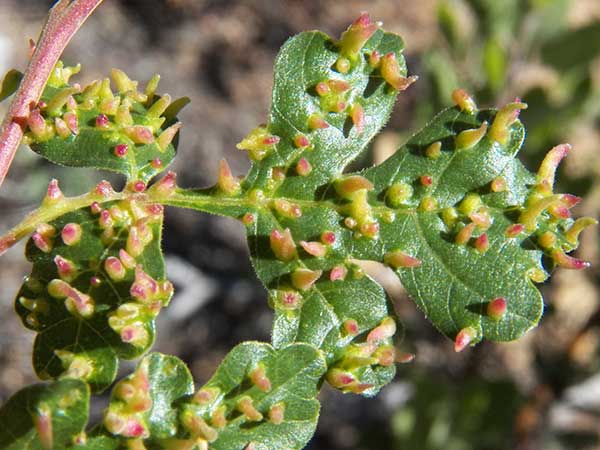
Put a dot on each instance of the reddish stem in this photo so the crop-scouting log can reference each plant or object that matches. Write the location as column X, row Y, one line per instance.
column 65, row 18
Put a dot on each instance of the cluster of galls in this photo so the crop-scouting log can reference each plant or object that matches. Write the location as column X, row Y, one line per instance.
column 469, row 222
column 377, row 350
column 130, row 320
column 334, row 96
column 129, row 116
column 210, row 409
column 301, row 279
column 547, row 217
column 130, row 404
column 354, row 190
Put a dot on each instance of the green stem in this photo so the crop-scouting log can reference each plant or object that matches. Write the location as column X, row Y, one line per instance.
column 197, row 199
column 206, row 200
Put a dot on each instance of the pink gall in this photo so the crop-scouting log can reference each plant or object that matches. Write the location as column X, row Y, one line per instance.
column 547, row 171
column 121, row 150
column 304, row 279
column 245, row 405
column 496, row 309
column 226, row 182
column 277, row 413
column 470, row 138
column 114, row 268
column 482, row 243
column 505, row 117
column 301, row 141
column 563, row 260
column 338, row 273
column 259, row 378
column 356, row 36
column 313, row 248
column 397, row 259
column 357, row 114
column 391, row 73
column 464, row 338
column 42, row 421
column 166, row 137
column 303, row 167
column 139, row 134
column 464, row 101
column 282, row 245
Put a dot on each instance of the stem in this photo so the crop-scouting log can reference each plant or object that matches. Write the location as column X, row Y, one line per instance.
column 198, row 199
column 63, row 21
column 205, row 200
column 46, row 214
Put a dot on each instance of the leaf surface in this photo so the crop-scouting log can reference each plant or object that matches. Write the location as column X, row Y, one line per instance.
column 275, row 407
column 45, row 416
column 127, row 131
column 96, row 285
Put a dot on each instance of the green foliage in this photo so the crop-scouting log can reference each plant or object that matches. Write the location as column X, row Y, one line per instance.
column 462, row 223
column 44, row 416
column 128, row 132
column 94, row 290
column 257, row 395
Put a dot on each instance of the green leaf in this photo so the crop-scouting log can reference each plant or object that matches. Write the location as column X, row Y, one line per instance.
column 10, row 83
column 454, row 283
column 142, row 405
column 391, row 210
column 465, row 226
column 95, row 288
column 128, row 132
column 307, row 223
column 407, row 213
column 258, row 395
column 304, row 61
column 284, row 189
column 283, row 393
column 44, row 416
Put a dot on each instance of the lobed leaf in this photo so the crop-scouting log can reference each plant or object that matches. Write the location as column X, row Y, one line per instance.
column 327, row 105
column 95, row 288
column 460, row 220
column 128, row 132
column 297, row 110
column 258, row 395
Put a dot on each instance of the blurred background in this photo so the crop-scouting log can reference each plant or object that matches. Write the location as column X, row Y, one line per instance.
column 542, row 392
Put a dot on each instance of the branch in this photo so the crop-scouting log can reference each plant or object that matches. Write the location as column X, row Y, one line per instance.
column 65, row 18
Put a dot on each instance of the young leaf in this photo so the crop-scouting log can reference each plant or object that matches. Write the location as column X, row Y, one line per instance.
column 317, row 107
column 10, row 83
column 45, row 416
column 127, row 131
column 96, row 286
column 466, row 259
column 142, row 405
column 258, row 395
column 462, row 222
column 329, row 100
